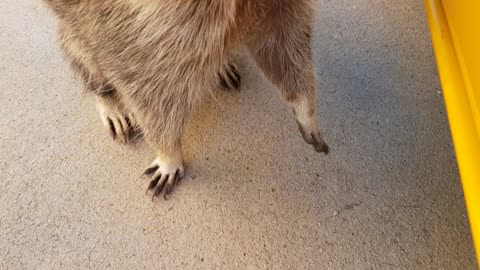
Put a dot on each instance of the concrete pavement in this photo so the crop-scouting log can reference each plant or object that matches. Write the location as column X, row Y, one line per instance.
column 255, row 195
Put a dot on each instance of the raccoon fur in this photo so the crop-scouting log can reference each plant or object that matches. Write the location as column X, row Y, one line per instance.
column 150, row 63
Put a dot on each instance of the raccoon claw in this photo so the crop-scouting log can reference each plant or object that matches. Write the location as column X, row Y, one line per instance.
column 118, row 128
column 165, row 176
column 231, row 78
column 151, row 169
column 131, row 121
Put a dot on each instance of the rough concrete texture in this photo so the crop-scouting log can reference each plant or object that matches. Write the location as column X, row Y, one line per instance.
column 255, row 195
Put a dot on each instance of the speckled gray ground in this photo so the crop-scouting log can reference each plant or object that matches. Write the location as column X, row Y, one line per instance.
column 255, row 196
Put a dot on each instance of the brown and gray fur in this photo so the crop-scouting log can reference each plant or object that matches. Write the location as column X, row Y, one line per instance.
column 152, row 62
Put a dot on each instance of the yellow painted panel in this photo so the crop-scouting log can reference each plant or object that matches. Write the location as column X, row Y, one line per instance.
column 463, row 17
column 455, row 35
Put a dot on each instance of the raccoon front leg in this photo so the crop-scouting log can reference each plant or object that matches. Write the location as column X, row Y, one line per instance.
column 162, row 116
column 112, row 113
column 167, row 169
column 285, row 56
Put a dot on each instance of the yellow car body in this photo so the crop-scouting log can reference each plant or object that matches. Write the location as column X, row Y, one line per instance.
column 455, row 31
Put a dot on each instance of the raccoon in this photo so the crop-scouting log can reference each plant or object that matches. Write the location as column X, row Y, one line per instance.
column 150, row 63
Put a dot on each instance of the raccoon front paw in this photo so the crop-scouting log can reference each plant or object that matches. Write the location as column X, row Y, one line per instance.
column 167, row 172
column 230, row 78
column 118, row 125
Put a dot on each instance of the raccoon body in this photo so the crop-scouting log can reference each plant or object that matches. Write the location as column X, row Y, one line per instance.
column 151, row 63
